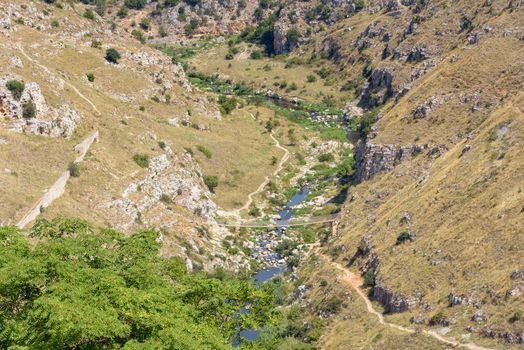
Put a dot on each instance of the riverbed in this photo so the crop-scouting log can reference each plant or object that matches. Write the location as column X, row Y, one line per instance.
column 265, row 249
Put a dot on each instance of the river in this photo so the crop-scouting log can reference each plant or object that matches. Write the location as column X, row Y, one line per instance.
column 265, row 274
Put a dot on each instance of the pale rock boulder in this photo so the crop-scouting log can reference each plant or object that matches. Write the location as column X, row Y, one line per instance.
column 49, row 121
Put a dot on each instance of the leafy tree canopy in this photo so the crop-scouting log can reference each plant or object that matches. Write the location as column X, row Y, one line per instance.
column 85, row 288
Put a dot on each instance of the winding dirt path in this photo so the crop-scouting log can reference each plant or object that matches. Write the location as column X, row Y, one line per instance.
column 280, row 166
column 82, row 96
column 356, row 282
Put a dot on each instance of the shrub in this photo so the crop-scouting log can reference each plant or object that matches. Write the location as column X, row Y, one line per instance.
column 256, row 55
column 89, row 14
column 164, row 198
column 142, row 160
column 366, row 122
column 323, row 72
column 170, row 3
column 311, row 78
column 55, row 24
column 141, row 108
column 16, row 88
column 193, row 2
column 269, row 126
column 517, row 316
column 74, row 169
column 286, row 247
column 29, row 110
column 122, row 12
column 145, row 23
column 329, row 101
column 189, row 30
column 135, row 4
column 188, row 151
column 254, row 211
column 438, row 319
column 138, row 35
column 100, row 6
column 211, row 182
column 403, row 237
column 112, row 55
column 369, row 279
column 227, row 104
column 326, row 157
column 332, row 305
column 181, row 14
column 359, row 5
column 204, row 151
column 90, row 77
column 293, row 36
column 348, row 86
column 96, row 44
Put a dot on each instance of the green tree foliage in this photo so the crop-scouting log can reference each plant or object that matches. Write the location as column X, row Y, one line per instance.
column 16, row 88
column 292, row 37
column 256, row 54
column 263, row 33
column 84, row 289
column 145, row 23
column 170, row 3
column 29, row 110
column 193, row 2
column 205, row 151
column 211, row 182
column 359, row 4
column 138, row 35
column 227, row 104
column 89, row 14
column 366, row 122
column 122, row 12
column 326, row 157
column 135, row 4
column 311, row 78
column 369, row 278
column 142, row 160
column 112, row 55
column 74, row 169
column 269, row 126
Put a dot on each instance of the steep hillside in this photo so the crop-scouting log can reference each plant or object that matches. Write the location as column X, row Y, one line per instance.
column 440, row 232
column 144, row 168
column 434, row 219
column 398, row 122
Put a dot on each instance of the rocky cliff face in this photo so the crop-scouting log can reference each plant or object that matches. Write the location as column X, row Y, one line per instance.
column 165, row 183
column 392, row 302
column 48, row 121
column 372, row 159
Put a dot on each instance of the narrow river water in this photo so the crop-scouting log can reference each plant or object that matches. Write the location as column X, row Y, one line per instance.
column 264, row 275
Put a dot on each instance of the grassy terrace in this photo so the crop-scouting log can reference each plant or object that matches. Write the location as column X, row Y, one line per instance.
column 298, row 114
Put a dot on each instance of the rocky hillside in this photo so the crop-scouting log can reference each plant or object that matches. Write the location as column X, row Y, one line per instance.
column 60, row 84
column 435, row 219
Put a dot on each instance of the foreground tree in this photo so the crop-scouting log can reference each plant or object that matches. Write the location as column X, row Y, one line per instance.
column 80, row 288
